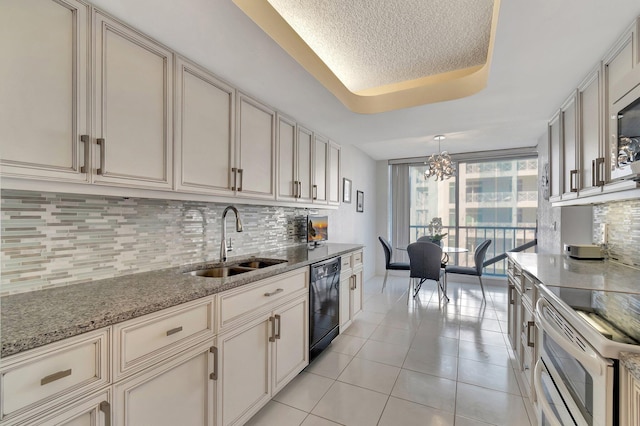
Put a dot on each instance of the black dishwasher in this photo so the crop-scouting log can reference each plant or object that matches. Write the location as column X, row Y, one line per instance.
column 324, row 305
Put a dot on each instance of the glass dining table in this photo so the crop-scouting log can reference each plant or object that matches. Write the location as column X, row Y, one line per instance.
column 446, row 250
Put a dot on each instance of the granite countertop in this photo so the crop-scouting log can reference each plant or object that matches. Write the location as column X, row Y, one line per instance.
column 562, row 271
column 632, row 362
column 33, row 319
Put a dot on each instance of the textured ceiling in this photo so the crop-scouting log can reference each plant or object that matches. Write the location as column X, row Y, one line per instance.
column 378, row 56
column 375, row 43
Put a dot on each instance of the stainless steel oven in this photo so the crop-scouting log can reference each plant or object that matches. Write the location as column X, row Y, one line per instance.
column 574, row 384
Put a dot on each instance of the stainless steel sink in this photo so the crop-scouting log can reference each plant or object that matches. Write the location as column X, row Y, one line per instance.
column 235, row 268
column 220, row 271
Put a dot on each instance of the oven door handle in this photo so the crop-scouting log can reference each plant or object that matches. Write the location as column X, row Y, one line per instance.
column 590, row 361
column 542, row 399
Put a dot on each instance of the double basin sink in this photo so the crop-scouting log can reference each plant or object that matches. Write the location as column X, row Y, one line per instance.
column 235, row 268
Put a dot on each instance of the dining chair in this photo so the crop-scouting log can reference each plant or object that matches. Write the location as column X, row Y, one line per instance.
column 424, row 260
column 388, row 264
column 478, row 258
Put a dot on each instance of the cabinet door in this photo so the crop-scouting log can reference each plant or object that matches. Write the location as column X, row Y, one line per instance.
column 356, row 293
column 333, row 171
column 133, row 107
column 616, row 65
column 590, row 120
column 204, row 131
column 245, row 373
column 94, row 410
column 45, row 56
column 288, row 186
column 256, row 150
column 569, row 127
column 555, row 158
column 305, row 165
column 291, row 346
column 320, row 154
column 178, row 392
column 345, row 300
column 511, row 314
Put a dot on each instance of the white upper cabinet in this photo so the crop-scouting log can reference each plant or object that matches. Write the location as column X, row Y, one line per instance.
column 304, row 152
column 255, row 174
column 132, row 107
column 91, row 100
column 204, row 131
column 44, row 45
column 618, row 62
column 555, row 158
column 568, row 124
column 591, row 164
column 320, row 154
column 294, row 161
column 333, row 174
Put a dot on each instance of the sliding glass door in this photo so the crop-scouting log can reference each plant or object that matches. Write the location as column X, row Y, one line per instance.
column 489, row 199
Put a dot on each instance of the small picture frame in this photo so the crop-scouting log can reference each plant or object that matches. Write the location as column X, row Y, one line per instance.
column 359, row 201
column 346, row 190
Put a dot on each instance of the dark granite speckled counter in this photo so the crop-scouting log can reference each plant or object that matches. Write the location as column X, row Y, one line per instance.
column 29, row 320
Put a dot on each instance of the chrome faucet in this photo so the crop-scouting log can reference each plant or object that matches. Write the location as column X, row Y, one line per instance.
column 223, row 246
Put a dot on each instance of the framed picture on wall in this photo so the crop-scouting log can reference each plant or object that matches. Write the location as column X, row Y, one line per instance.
column 359, row 201
column 346, row 190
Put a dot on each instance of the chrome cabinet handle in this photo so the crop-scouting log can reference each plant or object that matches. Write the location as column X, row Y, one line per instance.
column 241, row 172
column 510, row 294
column 55, row 376
column 315, row 192
column 599, row 171
column 573, row 181
column 272, row 338
column 299, row 189
column 235, row 178
column 295, row 189
column 103, row 152
column 593, row 173
column 280, row 290
column 85, row 139
column 105, row 407
column 279, row 319
column 214, row 351
column 530, row 324
column 174, row 331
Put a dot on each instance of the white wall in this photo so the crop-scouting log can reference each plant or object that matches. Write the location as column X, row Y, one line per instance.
column 347, row 225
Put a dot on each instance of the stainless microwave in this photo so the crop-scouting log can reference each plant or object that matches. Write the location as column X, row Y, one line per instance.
column 625, row 127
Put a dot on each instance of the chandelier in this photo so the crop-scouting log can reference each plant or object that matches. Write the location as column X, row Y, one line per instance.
column 440, row 165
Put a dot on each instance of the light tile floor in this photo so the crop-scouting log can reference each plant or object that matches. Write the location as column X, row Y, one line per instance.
column 412, row 364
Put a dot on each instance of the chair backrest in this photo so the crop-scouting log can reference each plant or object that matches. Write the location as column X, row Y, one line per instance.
column 387, row 251
column 424, row 239
column 479, row 255
column 424, row 260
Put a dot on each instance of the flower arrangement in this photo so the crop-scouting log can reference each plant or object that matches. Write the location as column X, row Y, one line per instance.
column 435, row 230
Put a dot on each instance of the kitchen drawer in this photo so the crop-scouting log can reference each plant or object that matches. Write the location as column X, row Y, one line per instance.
column 356, row 259
column 233, row 304
column 40, row 378
column 346, row 262
column 146, row 340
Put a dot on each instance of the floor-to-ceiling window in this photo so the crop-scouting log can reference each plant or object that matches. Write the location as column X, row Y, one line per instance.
column 487, row 199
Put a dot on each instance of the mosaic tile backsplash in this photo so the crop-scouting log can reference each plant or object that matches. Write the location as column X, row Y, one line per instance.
column 51, row 239
column 623, row 223
column 623, row 310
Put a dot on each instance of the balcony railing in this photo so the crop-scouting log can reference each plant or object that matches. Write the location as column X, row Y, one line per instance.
column 503, row 239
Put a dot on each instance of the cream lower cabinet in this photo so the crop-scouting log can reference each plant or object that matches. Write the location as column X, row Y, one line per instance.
column 259, row 358
column 351, row 292
column 94, row 410
column 629, row 398
column 179, row 391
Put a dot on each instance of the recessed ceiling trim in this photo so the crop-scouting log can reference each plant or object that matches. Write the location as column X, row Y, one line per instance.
column 429, row 89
